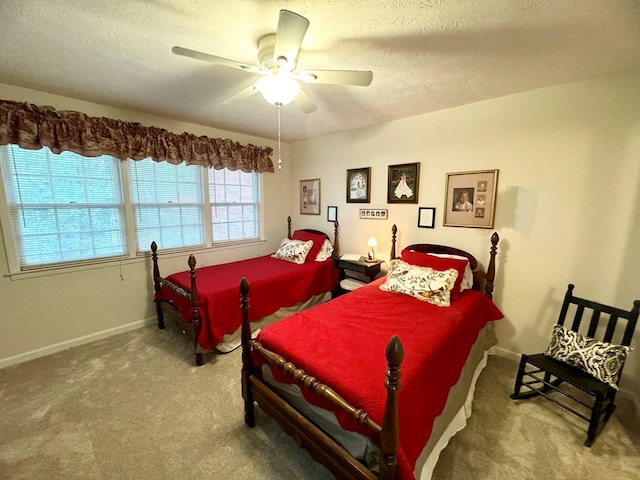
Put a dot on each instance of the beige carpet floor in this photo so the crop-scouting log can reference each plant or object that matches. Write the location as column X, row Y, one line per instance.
column 133, row 406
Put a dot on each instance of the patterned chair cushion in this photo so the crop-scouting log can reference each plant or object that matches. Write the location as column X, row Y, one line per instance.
column 601, row 360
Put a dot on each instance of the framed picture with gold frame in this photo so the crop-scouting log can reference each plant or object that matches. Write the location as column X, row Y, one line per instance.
column 310, row 197
column 470, row 199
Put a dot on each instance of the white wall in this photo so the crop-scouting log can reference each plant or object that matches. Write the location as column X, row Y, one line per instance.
column 568, row 195
column 45, row 313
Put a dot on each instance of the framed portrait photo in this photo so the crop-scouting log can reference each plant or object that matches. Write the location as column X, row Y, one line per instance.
column 359, row 185
column 470, row 199
column 402, row 183
column 310, row 197
column 426, row 217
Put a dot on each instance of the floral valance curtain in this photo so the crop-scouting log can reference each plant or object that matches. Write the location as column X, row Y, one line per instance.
column 33, row 127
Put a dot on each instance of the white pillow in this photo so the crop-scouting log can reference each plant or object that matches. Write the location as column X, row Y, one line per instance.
column 423, row 283
column 467, row 280
column 295, row 251
column 326, row 250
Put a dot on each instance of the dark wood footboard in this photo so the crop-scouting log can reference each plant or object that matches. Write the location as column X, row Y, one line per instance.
column 167, row 312
column 306, row 435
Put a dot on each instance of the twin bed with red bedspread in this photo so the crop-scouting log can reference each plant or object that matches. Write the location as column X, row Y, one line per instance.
column 204, row 304
column 321, row 372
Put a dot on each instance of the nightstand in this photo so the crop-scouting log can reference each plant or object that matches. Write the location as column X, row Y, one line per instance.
column 354, row 274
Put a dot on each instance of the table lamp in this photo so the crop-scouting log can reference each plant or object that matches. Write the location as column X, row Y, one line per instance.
column 371, row 244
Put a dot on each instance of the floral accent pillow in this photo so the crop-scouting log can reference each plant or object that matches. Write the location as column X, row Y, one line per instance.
column 326, row 250
column 423, row 283
column 295, row 251
column 601, row 360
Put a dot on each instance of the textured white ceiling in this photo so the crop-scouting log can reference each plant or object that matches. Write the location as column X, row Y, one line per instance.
column 425, row 55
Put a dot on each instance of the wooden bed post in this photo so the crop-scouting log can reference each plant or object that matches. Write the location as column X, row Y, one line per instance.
column 247, row 360
column 336, row 247
column 195, row 311
column 394, row 231
column 289, row 227
column 156, row 283
column 390, row 429
column 491, row 269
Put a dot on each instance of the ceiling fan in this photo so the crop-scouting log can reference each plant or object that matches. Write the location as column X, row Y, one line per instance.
column 278, row 58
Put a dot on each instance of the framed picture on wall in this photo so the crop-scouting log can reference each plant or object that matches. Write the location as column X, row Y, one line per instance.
column 310, row 197
column 332, row 214
column 373, row 213
column 358, row 185
column 402, row 183
column 470, row 199
column 426, row 217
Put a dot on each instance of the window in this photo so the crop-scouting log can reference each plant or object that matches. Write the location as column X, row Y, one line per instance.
column 234, row 204
column 69, row 208
column 63, row 208
column 167, row 202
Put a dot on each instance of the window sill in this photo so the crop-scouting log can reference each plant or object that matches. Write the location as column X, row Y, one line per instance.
column 141, row 257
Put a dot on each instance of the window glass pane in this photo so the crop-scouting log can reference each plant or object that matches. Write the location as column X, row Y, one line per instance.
column 234, row 197
column 168, row 204
column 53, row 202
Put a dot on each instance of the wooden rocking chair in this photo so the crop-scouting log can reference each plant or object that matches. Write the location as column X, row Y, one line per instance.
column 542, row 374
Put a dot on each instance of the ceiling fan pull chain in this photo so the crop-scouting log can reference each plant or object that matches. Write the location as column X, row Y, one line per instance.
column 279, row 157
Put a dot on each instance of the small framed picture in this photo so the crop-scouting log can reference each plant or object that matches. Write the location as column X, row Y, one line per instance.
column 310, row 197
column 470, row 199
column 332, row 214
column 426, row 217
column 358, row 185
column 402, row 183
column 376, row 213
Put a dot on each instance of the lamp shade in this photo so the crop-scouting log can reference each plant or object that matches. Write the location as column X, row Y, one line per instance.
column 372, row 242
column 278, row 89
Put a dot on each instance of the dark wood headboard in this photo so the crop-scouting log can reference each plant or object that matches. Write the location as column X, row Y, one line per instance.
column 336, row 229
column 482, row 280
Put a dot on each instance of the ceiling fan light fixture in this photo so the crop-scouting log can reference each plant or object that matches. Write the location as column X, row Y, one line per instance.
column 278, row 89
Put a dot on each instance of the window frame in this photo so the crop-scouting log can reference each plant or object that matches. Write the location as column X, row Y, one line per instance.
column 129, row 229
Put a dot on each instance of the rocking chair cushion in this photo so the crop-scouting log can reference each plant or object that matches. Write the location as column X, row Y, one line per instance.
column 601, row 360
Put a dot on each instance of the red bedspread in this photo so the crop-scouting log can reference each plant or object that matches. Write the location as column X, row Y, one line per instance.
column 274, row 284
column 342, row 343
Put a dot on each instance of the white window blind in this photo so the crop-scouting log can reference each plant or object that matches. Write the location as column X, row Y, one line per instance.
column 234, row 197
column 167, row 202
column 63, row 207
column 68, row 208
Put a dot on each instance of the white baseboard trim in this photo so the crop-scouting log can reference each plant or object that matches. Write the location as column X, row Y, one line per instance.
column 503, row 352
column 58, row 347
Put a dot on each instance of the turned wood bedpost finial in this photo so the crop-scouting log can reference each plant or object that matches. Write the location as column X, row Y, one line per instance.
column 390, row 429
column 157, row 283
column 247, row 359
column 336, row 246
column 289, row 226
column 156, row 270
column 491, row 269
column 195, row 310
column 394, row 231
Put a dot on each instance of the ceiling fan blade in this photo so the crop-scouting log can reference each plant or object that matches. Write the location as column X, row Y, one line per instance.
column 305, row 104
column 291, row 30
column 337, row 77
column 185, row 52
column 241, row 95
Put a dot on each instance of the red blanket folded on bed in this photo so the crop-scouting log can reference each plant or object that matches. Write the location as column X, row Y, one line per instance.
column 342, row 343
column 274, row 284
